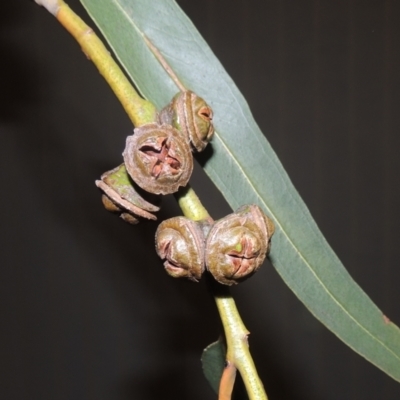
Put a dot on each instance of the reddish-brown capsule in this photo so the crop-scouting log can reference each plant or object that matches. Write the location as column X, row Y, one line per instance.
column 180, row 243
column 158, row 158
column 191, row 115
column 120, row 196
column 237, row 245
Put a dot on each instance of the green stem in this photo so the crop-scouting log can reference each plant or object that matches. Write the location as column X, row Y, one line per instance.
column 140, row 112
column 236, row 335
column 190, row 204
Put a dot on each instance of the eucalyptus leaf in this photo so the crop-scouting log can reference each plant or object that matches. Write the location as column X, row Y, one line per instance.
column 248, row 173
column 213, row 363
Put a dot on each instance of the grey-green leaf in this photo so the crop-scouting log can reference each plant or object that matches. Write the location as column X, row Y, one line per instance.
column 248, row 174
column 213, row 362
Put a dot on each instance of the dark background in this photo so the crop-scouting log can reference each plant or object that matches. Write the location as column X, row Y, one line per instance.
column 86, row 309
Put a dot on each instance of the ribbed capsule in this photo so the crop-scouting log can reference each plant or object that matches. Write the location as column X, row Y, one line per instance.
column 122, row 197
column 237, row 245
column 180, row 244
column 191, row 115
column 158, row 158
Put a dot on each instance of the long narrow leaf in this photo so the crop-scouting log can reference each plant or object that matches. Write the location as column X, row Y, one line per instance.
column 250, row 173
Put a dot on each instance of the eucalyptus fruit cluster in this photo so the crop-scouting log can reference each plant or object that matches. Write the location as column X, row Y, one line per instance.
column 158, row 158
column 231, row 249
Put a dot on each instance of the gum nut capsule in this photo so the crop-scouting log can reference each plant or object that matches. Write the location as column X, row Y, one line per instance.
column 238, row 244
column 158, row 158
column 191, row 115
column 120, row 196
column 180, row 244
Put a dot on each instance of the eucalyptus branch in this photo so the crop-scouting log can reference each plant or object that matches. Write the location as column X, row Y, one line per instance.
column 141, row 112
column 238, row 353
column 190, row 205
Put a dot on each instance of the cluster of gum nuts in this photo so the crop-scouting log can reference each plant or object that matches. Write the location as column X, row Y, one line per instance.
column 157, row 161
